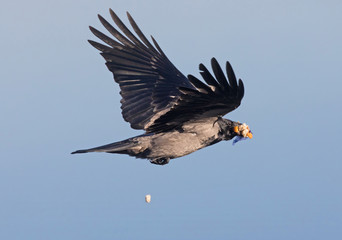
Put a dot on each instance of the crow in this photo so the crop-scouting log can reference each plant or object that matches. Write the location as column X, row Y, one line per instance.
column 179, row 114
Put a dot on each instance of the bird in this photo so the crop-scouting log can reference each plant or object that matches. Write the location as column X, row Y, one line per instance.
column 179, row 114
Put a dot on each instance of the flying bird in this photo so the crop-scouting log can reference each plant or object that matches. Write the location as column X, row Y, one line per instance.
column 179, row 114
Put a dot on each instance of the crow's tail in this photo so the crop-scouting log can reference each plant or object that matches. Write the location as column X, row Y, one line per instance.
column 117, row 147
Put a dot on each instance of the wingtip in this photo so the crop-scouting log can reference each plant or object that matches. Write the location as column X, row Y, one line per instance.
column 229, row 67
column 100, row 17
column 113, row 14
column 98, row 46
column 214, row 63
column 213, row 59
column 91, row 42
column 241, row 89
column 130, row 18
column 92, row 29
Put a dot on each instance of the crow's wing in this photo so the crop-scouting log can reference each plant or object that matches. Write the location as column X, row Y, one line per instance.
column 155, row 95
column 148, row 80
column 216, row 98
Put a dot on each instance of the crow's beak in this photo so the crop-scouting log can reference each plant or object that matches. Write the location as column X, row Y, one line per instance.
column 236, row 129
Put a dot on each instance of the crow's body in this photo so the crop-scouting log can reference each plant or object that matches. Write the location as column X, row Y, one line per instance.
column 161, row 147
column 179, row 114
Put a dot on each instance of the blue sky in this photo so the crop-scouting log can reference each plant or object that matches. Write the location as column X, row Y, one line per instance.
column 57, row 96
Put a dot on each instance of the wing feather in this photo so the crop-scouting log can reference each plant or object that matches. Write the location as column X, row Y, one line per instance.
column 231, row 76
column 115, row 32
column 143, row 73
column 208, row 78
column 222, row 80
column 139, row 33
column 156, row 96
column 99, row 46
column 203, row 101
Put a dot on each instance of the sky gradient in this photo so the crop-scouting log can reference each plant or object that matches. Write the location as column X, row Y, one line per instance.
column 57, row 96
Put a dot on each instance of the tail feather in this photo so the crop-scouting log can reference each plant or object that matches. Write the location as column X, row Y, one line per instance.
column 117, row 147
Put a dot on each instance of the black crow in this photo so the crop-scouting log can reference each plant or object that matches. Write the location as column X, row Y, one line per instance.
column 179, row 114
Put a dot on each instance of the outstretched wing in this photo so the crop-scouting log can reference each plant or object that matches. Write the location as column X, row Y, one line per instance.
column 155, row 95
column 216, row 98
column 149, row 82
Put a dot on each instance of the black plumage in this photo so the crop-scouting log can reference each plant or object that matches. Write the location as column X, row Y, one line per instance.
column 179, row 114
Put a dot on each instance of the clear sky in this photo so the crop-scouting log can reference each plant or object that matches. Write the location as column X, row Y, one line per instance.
column 57, row 96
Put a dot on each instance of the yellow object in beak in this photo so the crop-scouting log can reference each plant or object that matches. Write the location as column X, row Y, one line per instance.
column 243, row 130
